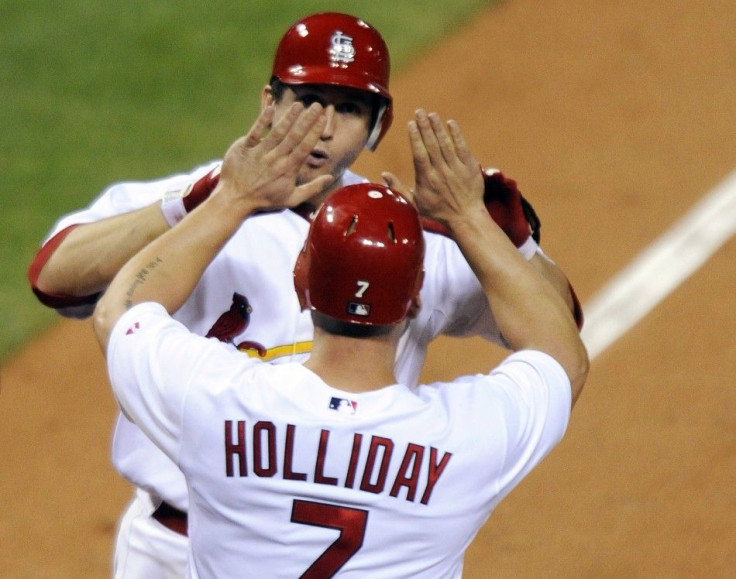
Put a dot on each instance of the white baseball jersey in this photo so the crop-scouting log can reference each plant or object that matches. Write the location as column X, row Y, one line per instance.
column 287, row 474
column 252, row 275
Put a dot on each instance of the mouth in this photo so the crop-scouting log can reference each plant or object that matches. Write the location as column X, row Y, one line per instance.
column 317, row 158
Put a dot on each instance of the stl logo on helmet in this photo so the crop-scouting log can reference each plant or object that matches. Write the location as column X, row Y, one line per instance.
column 342, row 51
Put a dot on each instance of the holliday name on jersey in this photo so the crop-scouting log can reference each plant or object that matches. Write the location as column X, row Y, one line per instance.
column 418, row 471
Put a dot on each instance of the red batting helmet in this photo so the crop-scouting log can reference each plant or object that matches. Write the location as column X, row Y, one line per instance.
column 342, row 50
column 363, row 259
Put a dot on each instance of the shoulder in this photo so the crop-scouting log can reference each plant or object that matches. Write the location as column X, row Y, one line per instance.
column 523, row 376
column 125, row 196
column 148, row 341
column 533, row 361
column 168, row 183
column 142, row 322
column 534, row 377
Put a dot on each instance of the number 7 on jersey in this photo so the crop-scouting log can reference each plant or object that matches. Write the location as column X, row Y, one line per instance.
column 351, row 524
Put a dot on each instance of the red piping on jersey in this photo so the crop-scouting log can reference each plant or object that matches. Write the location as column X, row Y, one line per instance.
column 55, row 301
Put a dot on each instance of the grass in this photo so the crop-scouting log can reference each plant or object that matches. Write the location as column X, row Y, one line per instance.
column 99, row 91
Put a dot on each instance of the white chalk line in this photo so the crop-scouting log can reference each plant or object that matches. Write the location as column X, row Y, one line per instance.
column 660, row 268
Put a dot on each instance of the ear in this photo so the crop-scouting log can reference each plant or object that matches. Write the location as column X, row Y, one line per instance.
column 266, row 97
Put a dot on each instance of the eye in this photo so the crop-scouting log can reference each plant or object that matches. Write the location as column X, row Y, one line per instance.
column 308, row 99
column 349, row 108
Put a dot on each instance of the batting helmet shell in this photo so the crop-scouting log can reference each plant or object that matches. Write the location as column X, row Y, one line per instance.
column 363, row 259
column 342, row 50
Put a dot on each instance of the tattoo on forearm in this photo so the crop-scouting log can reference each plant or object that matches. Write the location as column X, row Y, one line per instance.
column 140, row 279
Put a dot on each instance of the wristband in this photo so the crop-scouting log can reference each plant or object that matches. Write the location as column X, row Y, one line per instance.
column 176, row 204
column 172, row 207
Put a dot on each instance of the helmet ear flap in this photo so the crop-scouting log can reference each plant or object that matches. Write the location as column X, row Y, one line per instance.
column 381, row 124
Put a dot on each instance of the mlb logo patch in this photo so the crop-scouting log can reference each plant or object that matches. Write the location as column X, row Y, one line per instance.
column 343, row 405
column 357, row 309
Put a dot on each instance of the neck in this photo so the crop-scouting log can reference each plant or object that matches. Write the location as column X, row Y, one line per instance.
column 354, row 364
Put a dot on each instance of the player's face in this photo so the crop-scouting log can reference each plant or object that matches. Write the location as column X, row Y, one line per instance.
column 346, row 132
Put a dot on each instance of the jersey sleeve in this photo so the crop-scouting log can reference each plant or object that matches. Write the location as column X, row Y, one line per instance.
column 117, row 199
column 127, row 196
column 535, row 392
column 153, row 363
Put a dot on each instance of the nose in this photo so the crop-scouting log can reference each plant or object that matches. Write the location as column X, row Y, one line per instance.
column 329, row 129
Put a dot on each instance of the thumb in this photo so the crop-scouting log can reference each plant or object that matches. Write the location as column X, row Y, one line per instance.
column 305, row 192
column 393, row 182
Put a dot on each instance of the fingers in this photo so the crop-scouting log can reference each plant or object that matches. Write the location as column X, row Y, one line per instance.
column 426, row 135
column 447, row 176
column 297, row 131
column 418, row 148
column 306, row 132
column 305, row 192
column 261, row 168
column 437, row 142
column 255, row 134
column 393, row 182
column 281, row 128
column 445, row 144
column 460, row 145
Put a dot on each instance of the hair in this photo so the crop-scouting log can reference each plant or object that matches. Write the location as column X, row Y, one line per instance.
column 340, row 328
column 277, row 88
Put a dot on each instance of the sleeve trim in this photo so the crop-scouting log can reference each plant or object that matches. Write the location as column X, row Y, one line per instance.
column 55, row 301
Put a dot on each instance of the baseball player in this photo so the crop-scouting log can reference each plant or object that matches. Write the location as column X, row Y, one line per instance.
column 283, row 482
column 245, row 296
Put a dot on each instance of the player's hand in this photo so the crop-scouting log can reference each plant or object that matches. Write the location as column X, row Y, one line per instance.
column 393, row 182
column 506, row 205
column 261, row 171
column 448, row 182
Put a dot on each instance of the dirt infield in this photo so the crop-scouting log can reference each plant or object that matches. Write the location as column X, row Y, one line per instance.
column 614, row 118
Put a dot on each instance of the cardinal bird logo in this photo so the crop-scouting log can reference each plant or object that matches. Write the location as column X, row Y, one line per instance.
column 234, row 322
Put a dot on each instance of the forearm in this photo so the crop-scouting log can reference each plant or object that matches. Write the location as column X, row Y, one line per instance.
column 554, row 276
column 168, row 268
column 530, row 311
column 90, row 256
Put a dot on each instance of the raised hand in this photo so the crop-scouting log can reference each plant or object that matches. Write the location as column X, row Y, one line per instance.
column 260, row 171
column 448, row 180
